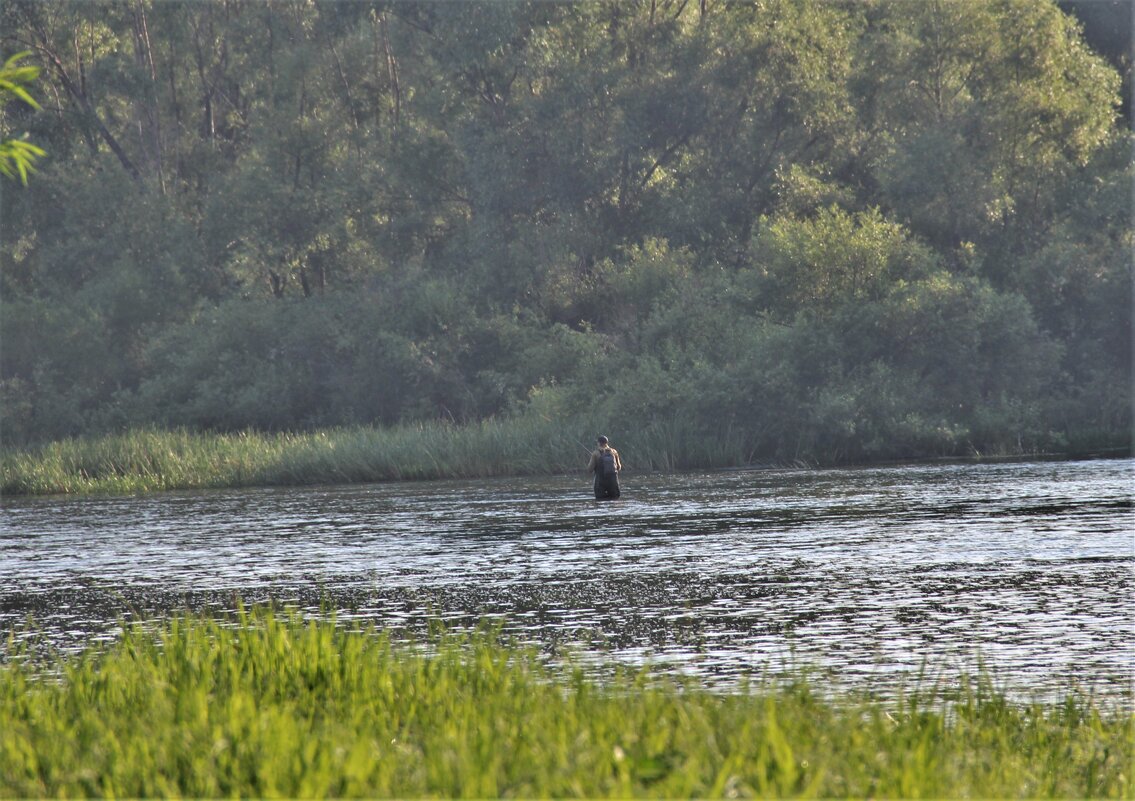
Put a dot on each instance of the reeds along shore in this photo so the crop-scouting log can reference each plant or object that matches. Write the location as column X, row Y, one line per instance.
column 161, row 460
column 266, row 704
column 151, row 460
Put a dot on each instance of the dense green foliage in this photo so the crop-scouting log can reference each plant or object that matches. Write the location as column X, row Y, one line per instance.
column 271, row 706
column 821, row 229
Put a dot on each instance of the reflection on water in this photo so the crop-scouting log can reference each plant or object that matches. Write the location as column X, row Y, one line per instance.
column 867, row 574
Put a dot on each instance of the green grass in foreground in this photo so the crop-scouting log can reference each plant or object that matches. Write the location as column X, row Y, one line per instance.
column 270, row 705
column 151, row 460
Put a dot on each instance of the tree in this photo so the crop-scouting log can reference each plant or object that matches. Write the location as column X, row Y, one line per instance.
column 978, row 114
column 833, row 259
column 776, row 218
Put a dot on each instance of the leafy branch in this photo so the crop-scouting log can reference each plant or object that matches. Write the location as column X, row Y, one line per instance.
column 17, row 155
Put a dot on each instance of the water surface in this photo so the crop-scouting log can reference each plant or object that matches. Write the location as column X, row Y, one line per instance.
column 868, row 575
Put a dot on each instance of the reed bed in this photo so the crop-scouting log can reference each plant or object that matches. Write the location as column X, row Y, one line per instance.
column 152, row 460
column 149, row 460
column 266, row 704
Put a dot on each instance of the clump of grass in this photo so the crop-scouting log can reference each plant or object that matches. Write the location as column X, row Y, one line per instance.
column 271, row 705
column 138, row 461
column 674, row 444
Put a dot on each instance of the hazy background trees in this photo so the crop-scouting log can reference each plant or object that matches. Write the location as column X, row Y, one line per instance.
column 822, row 229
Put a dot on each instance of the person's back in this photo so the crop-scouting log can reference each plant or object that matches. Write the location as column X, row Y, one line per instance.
column 605, row 464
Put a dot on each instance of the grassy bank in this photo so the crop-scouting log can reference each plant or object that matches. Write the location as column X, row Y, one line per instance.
column 270, row 705
column 152, row 460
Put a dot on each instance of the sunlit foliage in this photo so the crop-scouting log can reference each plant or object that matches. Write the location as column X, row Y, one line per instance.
column 815, row 229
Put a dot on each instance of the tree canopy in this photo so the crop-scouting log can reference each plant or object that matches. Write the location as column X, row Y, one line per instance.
column 828, row 229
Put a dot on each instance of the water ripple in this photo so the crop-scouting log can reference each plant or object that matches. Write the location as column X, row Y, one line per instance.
column 868, row 574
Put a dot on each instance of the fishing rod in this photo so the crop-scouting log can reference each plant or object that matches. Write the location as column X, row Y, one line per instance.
column 590, row 453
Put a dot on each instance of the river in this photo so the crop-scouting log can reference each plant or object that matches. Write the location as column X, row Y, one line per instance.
column 868, row 576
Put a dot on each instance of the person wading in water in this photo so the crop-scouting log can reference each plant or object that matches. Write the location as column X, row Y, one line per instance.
column 605, row 464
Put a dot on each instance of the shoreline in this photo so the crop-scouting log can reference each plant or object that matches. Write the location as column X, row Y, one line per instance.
column 150, row 460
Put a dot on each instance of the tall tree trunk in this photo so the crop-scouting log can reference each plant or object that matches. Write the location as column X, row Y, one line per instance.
column 93, row 115
column 149, row 117
column 175, row 102
column 392, row 76
column 76, row 91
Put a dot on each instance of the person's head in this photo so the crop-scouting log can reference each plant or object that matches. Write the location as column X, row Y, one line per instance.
column 602, row 442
